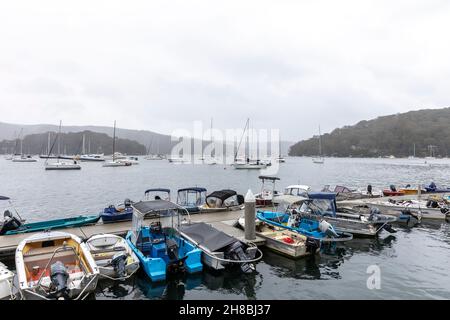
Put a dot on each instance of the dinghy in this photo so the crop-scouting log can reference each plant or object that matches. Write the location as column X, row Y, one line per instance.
column 219, row 249
column 113, row 256
column 6, row 283
column 223, row 200
column 55, row 265
column 159, row 247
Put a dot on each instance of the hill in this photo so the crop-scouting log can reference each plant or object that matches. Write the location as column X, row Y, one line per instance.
column 427, row 131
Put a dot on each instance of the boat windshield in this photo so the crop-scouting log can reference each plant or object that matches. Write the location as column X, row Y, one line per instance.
column 191, row 197
column 318, row 207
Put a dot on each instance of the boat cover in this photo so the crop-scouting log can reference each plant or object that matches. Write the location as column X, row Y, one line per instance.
column 146, row 207
column 192, row 189
column 268, row 178
column 207, row 236
column 222, row 194
column 157, row 190
column 4, row 198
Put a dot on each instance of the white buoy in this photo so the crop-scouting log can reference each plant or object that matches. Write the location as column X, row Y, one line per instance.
column 250, row 216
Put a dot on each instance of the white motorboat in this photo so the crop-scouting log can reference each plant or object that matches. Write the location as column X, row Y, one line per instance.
column 6, row 283
column 222, row 200
column 24, row 158
column 55, row 265
column 116, row 163
column 132, row 160
column 92, row 157
column 113, row 256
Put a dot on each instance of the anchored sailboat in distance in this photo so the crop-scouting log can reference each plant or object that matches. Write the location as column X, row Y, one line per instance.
column 22, row 157
column 60, row 164
column 320, row 159
column 114, row 162
column 248, row 164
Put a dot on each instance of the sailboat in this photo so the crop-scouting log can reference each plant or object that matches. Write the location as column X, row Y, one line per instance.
column 248, row 164
column 211, row 160
column 151, row 156
column 280, row 159
column 22, row 157
column 60, row 164
column 115, row 162
column 87, row 156
column 320, row 159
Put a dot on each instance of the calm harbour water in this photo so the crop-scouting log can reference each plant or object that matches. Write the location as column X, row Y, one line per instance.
column 413, row 263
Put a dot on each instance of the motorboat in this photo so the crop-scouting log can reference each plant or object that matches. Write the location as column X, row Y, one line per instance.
column 345, row 193
column 296, row 190
column 6, row 283
column 221, row 250
column 121, row 212
column 55, row 265
column 157, row 194
column 393, row 192
column 24, row 158
column 116, row 163
column 113, row 256
column 223, row 200
column 408, row 190
column 92, row 157
column 283, row 241
column 266, row 195
column 191, row 198
column 433, row 188
column 132, row 160
column 160, row 247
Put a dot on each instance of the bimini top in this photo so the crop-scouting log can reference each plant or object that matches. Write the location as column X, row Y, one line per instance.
column 288, row 199
column 154, row 206
column 157, row 190
column 196, row 189
column 4, row 198
column 268, row 178
column 322, row 195
column 299, row 186
column 222, row 194
column 208, row 236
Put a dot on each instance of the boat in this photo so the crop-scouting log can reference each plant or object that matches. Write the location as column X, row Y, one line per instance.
column 320, row 159
column 191, row 198
column 24, row 158
column 6, row 283
column 296, row 190
column 286, row 216
column 133, row 160
column 249, row 164
column 392, row 192
column 408, row 190
column 154, row 157
column 432, row 188
column 12, row 225
column 55, row 265
column 266, row 195
column 92, row 157
column 117, row 159
column 60, row 164
column 220, row 250
column 345, row 193
column 113, row 256
column 422, row 209
column 121, row 212
column 223, row 200
column 283, row 241
column 174, row 159
column 159, row 247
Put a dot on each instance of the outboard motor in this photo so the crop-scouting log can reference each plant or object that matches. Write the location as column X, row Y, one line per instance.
column 312, row 245
column 393, row 188
column 328, row 229
column 118, row 262
column 369, row 189
column 374, row 212
column 172, row 249
column 58, row 277
column 127, row 203
column 236, row 252
column 175, row 265
column 10, row 223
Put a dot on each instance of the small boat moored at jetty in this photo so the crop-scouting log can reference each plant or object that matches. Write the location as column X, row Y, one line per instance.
column 296, row 190
column 191, row 198
column 55, row 265
column 223, row 200
column 113, row 256
column 433, row 188
column 6, row 283
column 345, row 193
column 157, row 194
column 122, row 212
column 265, row 197
column 408, row 190
column 14, row 225
column 159, row 247
column 221, row 250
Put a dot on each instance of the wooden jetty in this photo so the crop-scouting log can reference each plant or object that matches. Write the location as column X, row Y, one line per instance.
column 223, row 221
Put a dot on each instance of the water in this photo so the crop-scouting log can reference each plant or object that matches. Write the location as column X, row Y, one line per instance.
column 413, row 263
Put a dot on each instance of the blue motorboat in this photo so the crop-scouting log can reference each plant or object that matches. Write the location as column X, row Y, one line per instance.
column 160, row 247
column 123, row 212
column 191, row 198
column 286, row 217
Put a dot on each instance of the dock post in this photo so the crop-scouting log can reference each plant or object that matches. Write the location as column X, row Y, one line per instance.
column 419, row 191
column 250, row 216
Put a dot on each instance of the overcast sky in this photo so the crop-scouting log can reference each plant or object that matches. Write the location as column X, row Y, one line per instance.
column 159, row 65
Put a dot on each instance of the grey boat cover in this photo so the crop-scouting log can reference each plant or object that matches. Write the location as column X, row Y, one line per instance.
column 154, row 206
column 207, row 236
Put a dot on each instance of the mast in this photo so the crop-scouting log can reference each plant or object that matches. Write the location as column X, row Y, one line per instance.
column 320, row 143
column 114, row 141
column 83, row 148
column 59, row 139
column 48, row 143
column 212, row 141
column 414, row 150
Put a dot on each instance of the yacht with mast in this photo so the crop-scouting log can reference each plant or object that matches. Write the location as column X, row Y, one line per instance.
column 22, row 157
column 60, row 164
column 249, row 163
column 88, row 156
column 320, row 159
column 211, row 159
column 115, row 162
